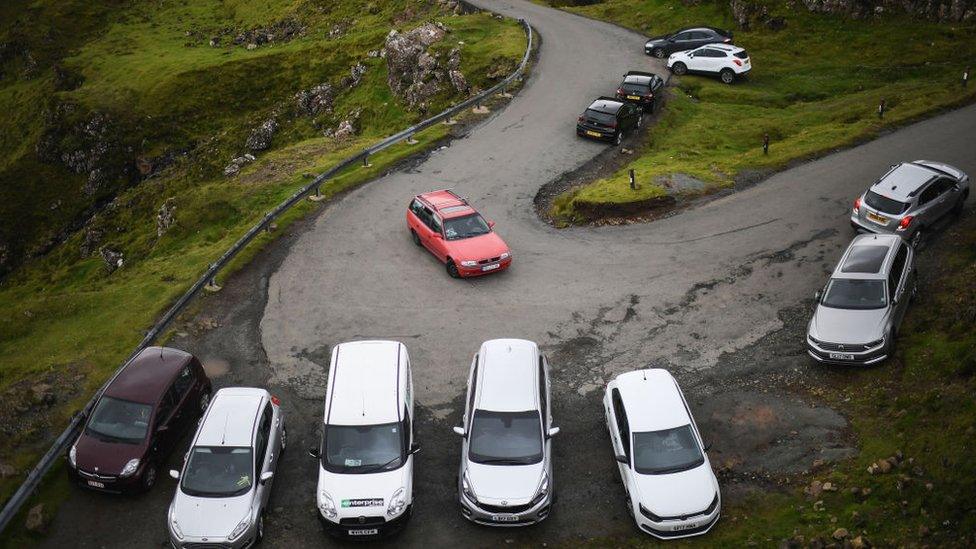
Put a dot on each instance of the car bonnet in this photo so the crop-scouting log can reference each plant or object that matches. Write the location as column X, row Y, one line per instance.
column 676, row 494
column 848, row 325
column 515, row 484
column 210, row 517
column 366, row 494
column 477, row 247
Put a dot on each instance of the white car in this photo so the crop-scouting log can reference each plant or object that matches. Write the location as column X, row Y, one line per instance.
column 228, row 472
column 671, row 489
column 725, row 60
column 505, row 478
column 365, row 485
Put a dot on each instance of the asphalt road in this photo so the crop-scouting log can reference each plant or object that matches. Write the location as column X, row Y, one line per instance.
column 708, row 293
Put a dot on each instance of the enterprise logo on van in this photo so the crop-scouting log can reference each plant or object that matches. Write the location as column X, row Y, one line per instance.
column 366, row 502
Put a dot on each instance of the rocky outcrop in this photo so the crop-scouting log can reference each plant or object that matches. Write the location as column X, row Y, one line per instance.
column 314, row 101
column 282, row 31
column 113, row 258
column 260, row 138
column 356, row 73
column 346, row 128
column 165, row 217
column 415, row 73
column 236, row 164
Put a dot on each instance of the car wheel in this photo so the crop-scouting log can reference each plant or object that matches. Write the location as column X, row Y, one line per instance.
column 452, row 270
column 658, row 52
column 259, row 535
column 679, row 68
column 918, row 238
column 640, row 119
column 619, row 138
column 149, row 478
column 727, row 76
column 414, row 237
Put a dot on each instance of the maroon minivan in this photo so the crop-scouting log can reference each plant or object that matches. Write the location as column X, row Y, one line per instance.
column 138, row 420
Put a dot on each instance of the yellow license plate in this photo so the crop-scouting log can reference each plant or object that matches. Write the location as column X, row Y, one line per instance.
column 593, row 134
column 877, row 218
column 634, row 97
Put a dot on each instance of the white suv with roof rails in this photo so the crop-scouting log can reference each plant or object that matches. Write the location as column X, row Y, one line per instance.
column 505, row 478
column 671, row 489
column 858, row 312
column 365, row 485
column 227, row 474
column 725, row 60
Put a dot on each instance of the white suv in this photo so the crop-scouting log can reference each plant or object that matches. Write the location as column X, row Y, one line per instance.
column 505, row 478
column 228, row 471
column 365, row 485
column 725, row 60
column 671, row 489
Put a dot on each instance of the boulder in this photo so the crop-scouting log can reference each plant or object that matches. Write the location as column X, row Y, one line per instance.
column 315, row 100
column 260, row 138
column 36, row 519
column 414, row 74
column 166, row 216
column 113, row 258
column 236, row 164
column 459, row 82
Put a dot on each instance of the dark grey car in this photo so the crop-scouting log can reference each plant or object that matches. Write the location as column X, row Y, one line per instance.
column 910, row 199
column 686, row 39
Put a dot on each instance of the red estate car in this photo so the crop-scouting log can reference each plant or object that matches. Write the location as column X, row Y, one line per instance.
column 138, row 420
column 456, row 234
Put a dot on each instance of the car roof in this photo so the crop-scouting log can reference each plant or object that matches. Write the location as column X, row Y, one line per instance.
column 724, row 47
column 364, row 383
column 447, row 203
column 508, row 373
column 638, row 79
column 701, row 28
column 867, row 257
column 231, row 417
column 903, row 181
column 652, row 400
column 606, row 105
column 147, row 377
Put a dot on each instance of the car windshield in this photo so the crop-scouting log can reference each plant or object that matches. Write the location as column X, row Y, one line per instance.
column 117, row 420
column 219, row 471
column 884, row 204
column 635, row 87
column 847, row 293
column 667, row 451
column 601, row 117
column 506, row 438
column 362, row 448
column 465, row 226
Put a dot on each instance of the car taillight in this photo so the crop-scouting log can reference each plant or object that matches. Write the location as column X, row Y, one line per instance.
column 737, row 62
column 905, row 222
column 275, row 400
column 857, row 204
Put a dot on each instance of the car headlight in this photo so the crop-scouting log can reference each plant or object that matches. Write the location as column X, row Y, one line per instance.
column 711, row 507
column 73, row 455
column 644, row 511
column 175, row 528
column 875, row 343
column 397, row 503
column 466, row 487
column 506, row 255
column 130, row 468
column 240, row 528
column 543, row 489
column 326, row 505
column 469, row 263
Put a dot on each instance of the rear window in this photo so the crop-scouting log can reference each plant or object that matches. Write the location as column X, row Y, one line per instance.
column 636, row 88
column 600, row 117
column 884, row 204
column 741, row 54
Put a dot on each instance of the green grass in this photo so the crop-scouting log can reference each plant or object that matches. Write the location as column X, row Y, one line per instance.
column 815, row 86
column 62, row 309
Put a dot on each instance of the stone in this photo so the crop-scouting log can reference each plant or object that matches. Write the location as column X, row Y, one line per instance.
column 884, row 466
column 7, row 470
column 414, row 75
column 315, row 100
column 36, row 520
column 814, row 489
column 236, row 164
column 460, row 83
column 860, row 542
column 113, row 258
column 260, row 138
column 840, row 533
column 165, row 217
column 91, row 238
column 829, row 487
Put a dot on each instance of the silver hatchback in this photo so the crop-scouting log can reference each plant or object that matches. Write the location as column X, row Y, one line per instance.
column 910, row 198
column 859, row 311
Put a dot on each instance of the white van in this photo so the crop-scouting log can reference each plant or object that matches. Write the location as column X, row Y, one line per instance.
column 365, row 486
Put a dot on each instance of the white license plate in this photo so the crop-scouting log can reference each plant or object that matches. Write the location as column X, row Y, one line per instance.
column 593, row 134
column 364, row 532
column 688, row 526
column 94, row 484
column 491, row 267
column 504, row 518
column 841, row 356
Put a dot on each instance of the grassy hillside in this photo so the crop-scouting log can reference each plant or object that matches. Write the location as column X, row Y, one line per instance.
column 173, row 99
column 815, row 85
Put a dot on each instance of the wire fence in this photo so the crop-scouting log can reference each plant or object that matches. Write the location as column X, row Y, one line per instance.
column 63, row 441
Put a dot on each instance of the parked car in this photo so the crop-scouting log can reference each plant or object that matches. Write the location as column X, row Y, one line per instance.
column 670, row 487
column 138, row 420
column 365, row 481
column 609, row 118
column 456, row 234
column 910, row 198
column 859, row 311
column 726, row 61
column 641, row 88
column 506, row 476
column 686, row 39
column 228, row 473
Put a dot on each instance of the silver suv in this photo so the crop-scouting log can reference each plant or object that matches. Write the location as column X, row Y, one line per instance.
column 910, row 198
column 506, row 459
column 227, row 475
column 859, row 310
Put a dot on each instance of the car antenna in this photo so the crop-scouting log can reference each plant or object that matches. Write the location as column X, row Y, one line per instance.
column 644, row 372
column 161, row 353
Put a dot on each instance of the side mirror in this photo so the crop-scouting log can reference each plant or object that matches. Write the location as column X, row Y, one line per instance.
column 438, row 235
column 818, row 295
column 314, row 452
column 414, row 448
column 623, row 459
column 460, row 431
column 160, row 429
column 266, row 476
column 491, row 224
column 174, row 473
column 708, row 445
column 553, row 431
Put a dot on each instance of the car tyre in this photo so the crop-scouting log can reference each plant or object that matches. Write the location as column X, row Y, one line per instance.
column 640, row 119
column 727, row 76
column 658, row 53
column 918, row 238
column 619, row 138
column 414, row 237
column 452, row 269
column 259, row 535
column 679, row 68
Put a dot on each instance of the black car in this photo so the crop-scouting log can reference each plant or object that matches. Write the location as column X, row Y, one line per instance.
column 641, row 88
column 686, row 39
column 609, row 118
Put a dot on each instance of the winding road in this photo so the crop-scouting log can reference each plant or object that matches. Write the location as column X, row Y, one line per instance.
column 686, row 292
